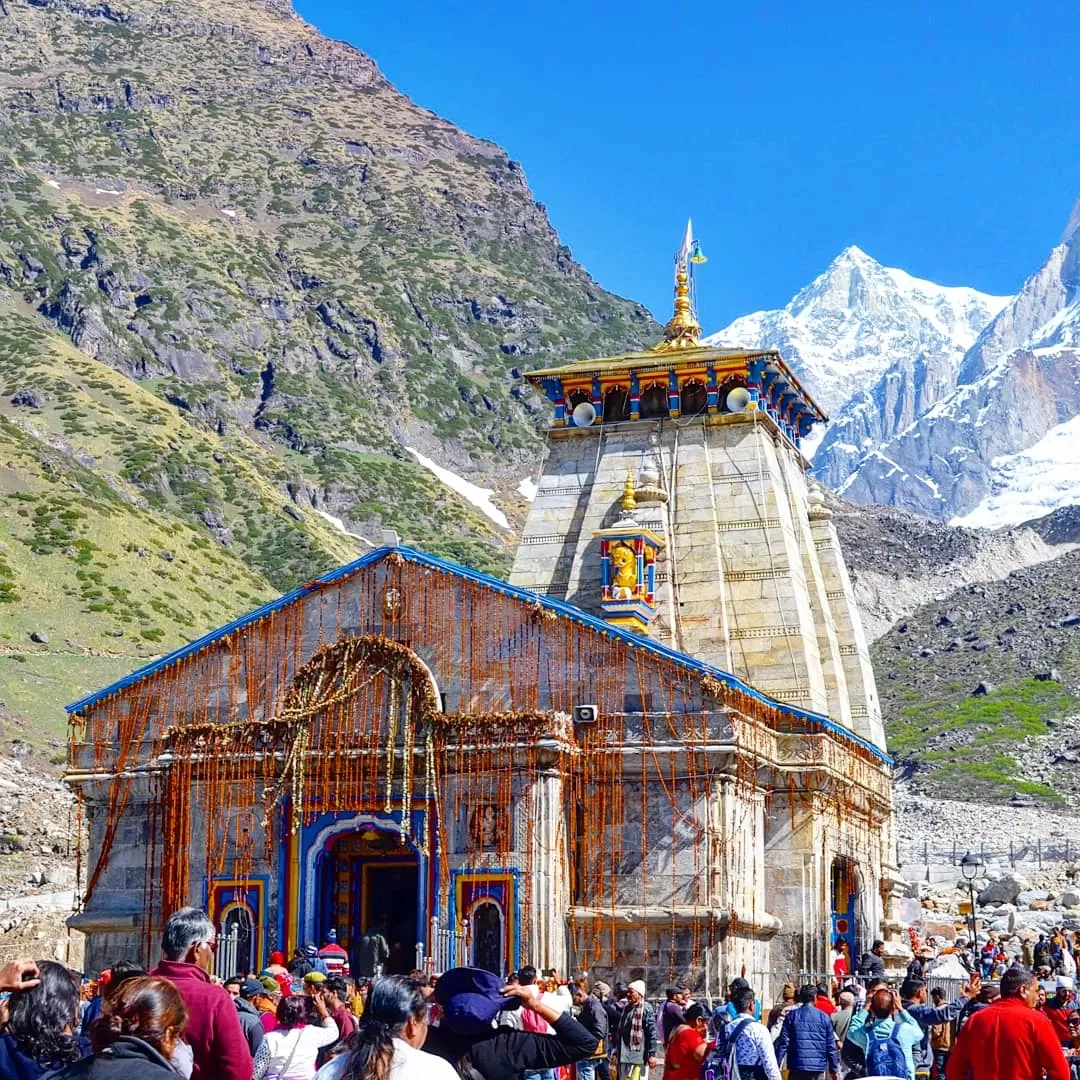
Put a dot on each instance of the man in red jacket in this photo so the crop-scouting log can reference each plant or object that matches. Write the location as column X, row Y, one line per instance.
column 1009, row 1040
column 213, row 1032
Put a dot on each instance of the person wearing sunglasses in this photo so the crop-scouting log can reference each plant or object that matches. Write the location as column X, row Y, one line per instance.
column 213, row 1031
column 1072, row 1047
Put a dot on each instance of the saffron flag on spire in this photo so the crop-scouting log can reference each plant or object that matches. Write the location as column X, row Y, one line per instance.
column 687, row 244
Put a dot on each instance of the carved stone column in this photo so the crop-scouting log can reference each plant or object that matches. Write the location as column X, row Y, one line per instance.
column 548, row 876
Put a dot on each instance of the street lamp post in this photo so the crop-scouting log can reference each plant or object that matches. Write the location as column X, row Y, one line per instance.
column 971, row 866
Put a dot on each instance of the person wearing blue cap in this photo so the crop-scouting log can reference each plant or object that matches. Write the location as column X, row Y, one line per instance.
column 471, row 1000
column 314, row 960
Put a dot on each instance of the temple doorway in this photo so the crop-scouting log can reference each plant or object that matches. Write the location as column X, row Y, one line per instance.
column 845, row 891
column 370, row 879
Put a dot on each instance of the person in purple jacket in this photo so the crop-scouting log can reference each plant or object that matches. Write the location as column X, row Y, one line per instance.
column 213, row 1031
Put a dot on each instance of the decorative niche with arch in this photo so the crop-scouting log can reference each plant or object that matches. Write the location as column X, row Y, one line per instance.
column 237, row 908
column 485, row 906
column 693, row 398
column 654, row 400
column 576, row 398
column 616, row 404
column 725, row 388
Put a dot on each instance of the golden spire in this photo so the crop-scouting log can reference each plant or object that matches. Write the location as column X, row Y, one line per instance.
column 682, row 331
column 629, row 501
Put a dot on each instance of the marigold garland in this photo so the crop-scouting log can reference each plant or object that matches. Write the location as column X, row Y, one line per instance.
column 251, row 723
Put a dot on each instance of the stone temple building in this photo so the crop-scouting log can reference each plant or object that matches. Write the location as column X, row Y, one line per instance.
column 656, row 752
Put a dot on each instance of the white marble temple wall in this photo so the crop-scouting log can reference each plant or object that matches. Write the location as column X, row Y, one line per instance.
column 851, row 639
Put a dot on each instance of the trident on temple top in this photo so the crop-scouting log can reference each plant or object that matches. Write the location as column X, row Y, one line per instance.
column 682, row 330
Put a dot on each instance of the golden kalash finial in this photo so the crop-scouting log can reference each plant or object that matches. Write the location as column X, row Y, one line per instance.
column 629, row 499
column 682, row 331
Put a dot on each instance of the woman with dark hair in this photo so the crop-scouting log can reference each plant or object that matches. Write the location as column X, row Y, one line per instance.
column 39, row 1033
column 137, row 1034
column 110, row 979
column 294, row 1044
column 387, row 1041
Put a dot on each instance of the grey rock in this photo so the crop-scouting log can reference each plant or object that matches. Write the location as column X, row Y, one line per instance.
column 983, row 689
column 1027, row 897
column 1069, row 898
column 39, row 636
column 1002, row 890
column 28, row 398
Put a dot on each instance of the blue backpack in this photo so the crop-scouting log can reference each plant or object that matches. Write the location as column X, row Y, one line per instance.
column 885, row 1057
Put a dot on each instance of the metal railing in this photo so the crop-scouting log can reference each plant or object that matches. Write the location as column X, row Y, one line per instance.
column 227, row 959
column 761, row 981
column 1030, row 851
column 448, row 947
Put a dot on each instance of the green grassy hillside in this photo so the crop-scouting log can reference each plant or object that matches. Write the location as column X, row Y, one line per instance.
column 981, row 690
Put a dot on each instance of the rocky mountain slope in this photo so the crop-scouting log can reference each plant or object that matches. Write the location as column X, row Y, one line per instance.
column 981, row 687
column 1000, row 446
column 975, row 638
column 243, row 283
column 873, row 344
column 250, row 221
column 900, row 561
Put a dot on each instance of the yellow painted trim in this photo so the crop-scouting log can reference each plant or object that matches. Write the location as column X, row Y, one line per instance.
column 293, row 922
column 509, row 916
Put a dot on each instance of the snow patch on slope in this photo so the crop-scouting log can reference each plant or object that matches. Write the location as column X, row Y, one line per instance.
column 477, row 496
column 339, row 524
column 1031, row 483
column 527, row 489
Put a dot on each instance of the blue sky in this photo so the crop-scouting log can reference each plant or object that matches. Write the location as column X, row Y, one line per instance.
column 942, row 137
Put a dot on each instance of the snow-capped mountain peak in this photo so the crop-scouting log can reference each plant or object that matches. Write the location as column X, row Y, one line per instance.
column 997, row 445
column 849, row 326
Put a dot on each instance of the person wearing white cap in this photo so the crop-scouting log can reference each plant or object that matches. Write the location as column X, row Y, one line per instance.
column 635, row 1042
column 1058, row 1008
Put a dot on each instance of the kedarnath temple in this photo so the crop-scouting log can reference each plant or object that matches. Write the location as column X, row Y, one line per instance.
column 656, row 751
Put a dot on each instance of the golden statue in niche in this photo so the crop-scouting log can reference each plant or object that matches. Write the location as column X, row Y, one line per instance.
column 624, row 584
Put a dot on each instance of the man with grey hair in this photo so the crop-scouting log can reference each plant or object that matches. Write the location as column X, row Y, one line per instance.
column 214, row 1033
column 841, row 1019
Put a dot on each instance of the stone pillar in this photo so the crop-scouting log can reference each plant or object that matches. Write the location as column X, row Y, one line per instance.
column 547, row 870
column 796, row 885
column 695, row 554
column 115, row 922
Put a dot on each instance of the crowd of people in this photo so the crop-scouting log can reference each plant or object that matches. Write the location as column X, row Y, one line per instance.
column 311, row 1020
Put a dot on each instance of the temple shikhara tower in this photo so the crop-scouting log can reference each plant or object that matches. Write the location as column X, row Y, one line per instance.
column 656, row 752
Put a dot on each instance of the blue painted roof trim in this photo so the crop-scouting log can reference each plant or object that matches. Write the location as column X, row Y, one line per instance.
column 560, row 607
